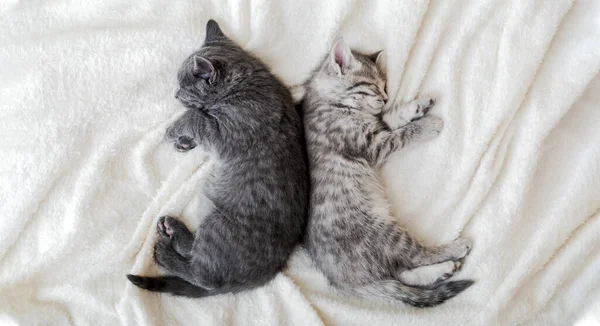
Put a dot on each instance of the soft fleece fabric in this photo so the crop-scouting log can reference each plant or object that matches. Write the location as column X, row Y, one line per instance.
column 86, row 91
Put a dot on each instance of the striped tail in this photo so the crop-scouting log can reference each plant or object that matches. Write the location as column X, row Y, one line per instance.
column 416, row 296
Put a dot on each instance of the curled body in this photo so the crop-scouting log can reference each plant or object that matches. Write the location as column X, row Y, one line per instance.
column 245, row 117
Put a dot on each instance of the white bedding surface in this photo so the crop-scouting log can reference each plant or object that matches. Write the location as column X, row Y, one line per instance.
column 86, row 91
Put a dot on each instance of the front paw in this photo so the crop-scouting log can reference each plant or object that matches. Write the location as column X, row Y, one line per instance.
column 428, row 127
column 400, row 115
column 184, row 143
column 419, row 108
column 424, row 104
column 172, row 134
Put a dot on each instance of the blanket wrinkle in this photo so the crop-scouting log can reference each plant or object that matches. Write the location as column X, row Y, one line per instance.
column 573, row 181
column 580, row 269
column 508, row 123
column 499, row 142
column 427, row 26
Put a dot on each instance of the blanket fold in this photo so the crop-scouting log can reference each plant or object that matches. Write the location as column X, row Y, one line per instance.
column 86, row 93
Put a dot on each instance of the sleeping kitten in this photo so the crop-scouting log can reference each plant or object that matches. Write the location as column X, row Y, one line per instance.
column 351, row 235
column 241, row 113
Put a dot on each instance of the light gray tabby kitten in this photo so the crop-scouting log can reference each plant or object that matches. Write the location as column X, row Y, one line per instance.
column 351, row 234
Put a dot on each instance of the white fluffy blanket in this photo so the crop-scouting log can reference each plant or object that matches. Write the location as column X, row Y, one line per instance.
column 86, row 91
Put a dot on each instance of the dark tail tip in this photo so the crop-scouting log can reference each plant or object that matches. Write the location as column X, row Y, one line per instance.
column 139, row 281
column 157, row 284
column 458, row 286
column 440, row 293
column 170, row 284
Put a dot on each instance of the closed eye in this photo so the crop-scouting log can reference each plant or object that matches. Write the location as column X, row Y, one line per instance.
column 362, row 84
column 362, row 93
column 364, row 89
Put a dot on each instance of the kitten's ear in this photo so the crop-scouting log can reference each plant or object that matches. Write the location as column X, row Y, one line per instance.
column 213, row 32
column 203, row 68
column 373, row 56
column 341, row 58
column 380, row 60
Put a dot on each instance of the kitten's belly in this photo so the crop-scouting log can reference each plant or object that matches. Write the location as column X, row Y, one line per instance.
column 343, row 188
column 347, row 204
column 347, row 208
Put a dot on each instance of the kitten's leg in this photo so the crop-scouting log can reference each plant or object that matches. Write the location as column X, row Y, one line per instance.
column 176, row 265
column 401, row 114
column 170, row 260
column 426, row 128
column 385, row 143
column 429, row 274
column 181, row 134
column 421, row 256
column 186, row 130
column 172, row 250
column 174, row 232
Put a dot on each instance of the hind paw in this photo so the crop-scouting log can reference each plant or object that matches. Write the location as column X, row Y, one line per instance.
column 168, row 227
column 163, row 227
column 462, row 247
column 454, row 266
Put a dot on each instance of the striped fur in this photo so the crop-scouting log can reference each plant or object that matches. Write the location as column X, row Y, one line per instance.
column 351, row 235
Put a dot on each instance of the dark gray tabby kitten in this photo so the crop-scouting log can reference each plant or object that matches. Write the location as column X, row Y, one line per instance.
column 241, row 113
column 351, row 234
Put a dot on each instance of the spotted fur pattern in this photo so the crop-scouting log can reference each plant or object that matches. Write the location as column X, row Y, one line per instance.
column 351, row 235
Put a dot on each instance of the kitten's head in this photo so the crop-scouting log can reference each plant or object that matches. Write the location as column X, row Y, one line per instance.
column 214, row 71
column 352, row 79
